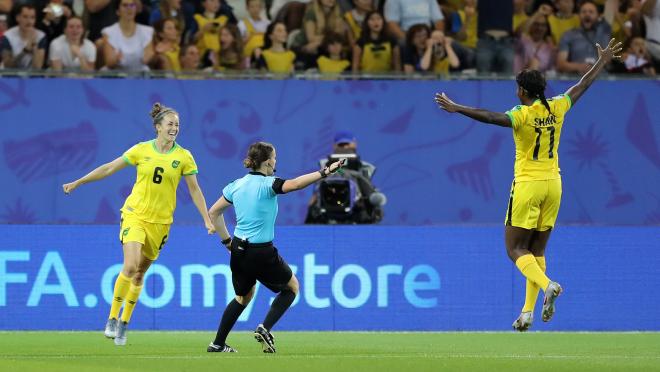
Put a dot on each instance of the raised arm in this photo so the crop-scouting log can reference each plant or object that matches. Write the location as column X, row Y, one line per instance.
column 604, row 57
column 199, row 201
column 99, row 173
column 484, row 116
column 307, row 179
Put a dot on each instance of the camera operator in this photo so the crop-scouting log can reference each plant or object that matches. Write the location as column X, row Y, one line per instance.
column 348, row 197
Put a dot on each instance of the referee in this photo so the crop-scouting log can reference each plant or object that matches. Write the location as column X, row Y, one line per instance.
column 253, row 256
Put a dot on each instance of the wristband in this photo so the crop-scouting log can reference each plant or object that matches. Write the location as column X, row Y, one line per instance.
column 226, row 241
column 322, row 172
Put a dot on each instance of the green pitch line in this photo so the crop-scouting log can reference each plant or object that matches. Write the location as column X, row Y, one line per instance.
column 333, row 351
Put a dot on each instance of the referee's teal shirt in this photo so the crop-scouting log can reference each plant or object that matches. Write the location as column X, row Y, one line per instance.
column 255, row 204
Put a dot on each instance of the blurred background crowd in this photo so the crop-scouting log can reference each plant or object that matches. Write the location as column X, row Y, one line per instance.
column 434, row 37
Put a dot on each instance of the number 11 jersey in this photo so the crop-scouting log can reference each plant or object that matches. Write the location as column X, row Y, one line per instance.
column 153, row 197
column 536, row 133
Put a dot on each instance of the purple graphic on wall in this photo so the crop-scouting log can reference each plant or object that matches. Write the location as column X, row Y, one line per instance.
column 434, row 167
column 640, row 131
column 12, row 97
column 52, row 152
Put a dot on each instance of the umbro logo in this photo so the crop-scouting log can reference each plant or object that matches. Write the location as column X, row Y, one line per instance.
column 119, row 299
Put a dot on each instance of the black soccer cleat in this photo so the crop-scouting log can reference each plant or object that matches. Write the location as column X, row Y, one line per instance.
column 213, row 348
column 265, row 338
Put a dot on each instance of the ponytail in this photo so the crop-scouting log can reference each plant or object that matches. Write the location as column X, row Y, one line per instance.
column 545, row 102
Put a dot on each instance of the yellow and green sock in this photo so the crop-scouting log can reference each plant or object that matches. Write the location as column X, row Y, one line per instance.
column 531, row 270
column 131, row 301
column 122, row 284
column 531, row 289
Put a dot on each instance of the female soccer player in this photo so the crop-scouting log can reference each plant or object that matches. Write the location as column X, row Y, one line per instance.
column 253, row 256
column 536, row 190
column 148, row 210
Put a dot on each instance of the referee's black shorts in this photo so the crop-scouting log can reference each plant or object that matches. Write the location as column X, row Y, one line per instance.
column 251, row 262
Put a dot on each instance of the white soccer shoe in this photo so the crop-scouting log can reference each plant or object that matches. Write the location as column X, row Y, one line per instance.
column 551, row 293
column 111, row 328
column 524, row 321
column 120, row 339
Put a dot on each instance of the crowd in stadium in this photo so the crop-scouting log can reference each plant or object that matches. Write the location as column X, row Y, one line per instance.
column 330, row 36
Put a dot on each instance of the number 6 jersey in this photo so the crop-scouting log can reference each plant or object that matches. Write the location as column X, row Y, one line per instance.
column 153, row 197
column 536, row 133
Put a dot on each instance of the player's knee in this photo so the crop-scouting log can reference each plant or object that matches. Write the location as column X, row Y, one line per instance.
column 294, row 286
column 244, row 300
column 130, row 270
column 138, row 278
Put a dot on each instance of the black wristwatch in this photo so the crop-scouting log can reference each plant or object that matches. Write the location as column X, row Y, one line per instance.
column 226, row 241
column 323, row 173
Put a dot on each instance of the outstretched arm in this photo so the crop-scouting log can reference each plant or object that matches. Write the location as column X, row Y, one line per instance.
column 99, row 173
column 199, row 201
column 307, row 179
column 604, row 57
column 484, row 116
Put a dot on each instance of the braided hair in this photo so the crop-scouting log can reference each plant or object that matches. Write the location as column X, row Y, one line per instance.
column 533, row 82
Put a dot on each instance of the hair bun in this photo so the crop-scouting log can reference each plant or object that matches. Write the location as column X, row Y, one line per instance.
column 156, row 109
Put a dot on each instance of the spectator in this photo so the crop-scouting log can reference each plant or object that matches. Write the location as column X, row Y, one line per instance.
column 651, row 12
column 564, row 19
column 190, row 58
column 321, row 17
column 208, row 25
column 253, row 27
column 637, row 59
column 376, row 51
column 230, row 56
column 333, row 54
column 464, row 28
column 4, row 25
column 333, row 200
column 416, row 44
column 439, row 55
column 277, row 5
column 496, row 44
column 355, row 17
column 52, row 18
column 6, row 6
column 23, row 46
column 163, row 51
column 72, row 51
column 576, row 48
column 519, row 15
column 426, row 52
column 182, row 13
column 275, row 57
column 99, row 14
column 631, row 18
column 124, row 41
column 402, row 14
column 535, row 50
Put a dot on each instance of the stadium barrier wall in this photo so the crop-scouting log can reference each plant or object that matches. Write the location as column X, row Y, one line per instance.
column 56, row 130
column 352, row 278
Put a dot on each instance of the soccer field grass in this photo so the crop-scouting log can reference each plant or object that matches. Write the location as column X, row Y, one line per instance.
column 333, row 351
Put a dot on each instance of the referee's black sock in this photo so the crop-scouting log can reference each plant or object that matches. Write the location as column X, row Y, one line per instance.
column 279, row 306
column 229, row 318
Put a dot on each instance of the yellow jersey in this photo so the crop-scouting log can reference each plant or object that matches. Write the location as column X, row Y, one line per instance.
column 173, row 58
column 518, row 20
column 210, row 40
column 376, row 56
column 559, row 26
column 153, row 197
column 470, row 29
column 327, row 65
column 279, row 62
column 353, row 25
column 536, row 133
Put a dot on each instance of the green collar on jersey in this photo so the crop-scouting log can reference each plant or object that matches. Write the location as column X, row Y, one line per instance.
column 153, row 143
